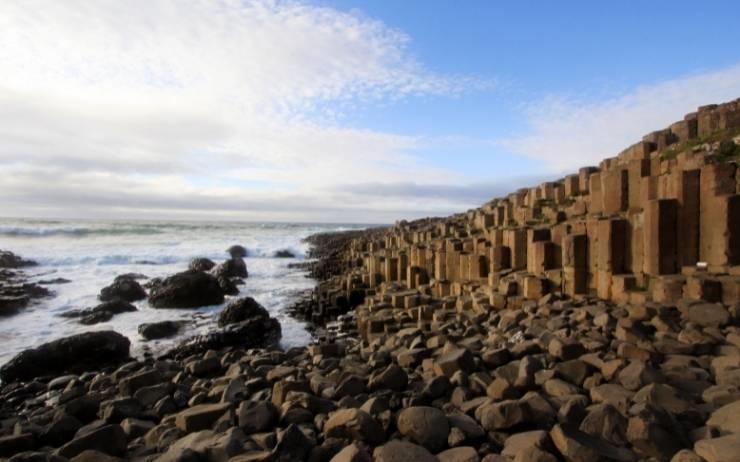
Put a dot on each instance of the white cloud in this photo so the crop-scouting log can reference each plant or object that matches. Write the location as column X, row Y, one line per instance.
column 201, row 99
column 568, row 133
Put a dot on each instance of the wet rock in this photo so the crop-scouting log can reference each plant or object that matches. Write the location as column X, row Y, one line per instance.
column 78, row 353
column 240, row 310
column 101, row 313
column 10, row 260
column 283, row 253
column 427, row 426
column 123, row 288
column 189, row 289
column 201, row 264
column 237, row 251
column 161, row 329
column 233, row 268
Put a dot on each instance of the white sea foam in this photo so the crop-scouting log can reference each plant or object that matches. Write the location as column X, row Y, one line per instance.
column 91, row 254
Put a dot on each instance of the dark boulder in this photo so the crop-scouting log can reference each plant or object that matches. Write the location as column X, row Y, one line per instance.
column 234, row 268
column 240, row 310
column 162, row 329
column 101, row 313
column 256, row 332
column 237, row 251
column 201, row 264
column 228, row 285
column 11, row 260
column 123, row 288
column 284, row 253
column 79, row 353
column 189, row 289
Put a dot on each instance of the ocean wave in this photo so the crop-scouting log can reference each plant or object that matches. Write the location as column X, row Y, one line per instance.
column 27, row 231
column 109, row 260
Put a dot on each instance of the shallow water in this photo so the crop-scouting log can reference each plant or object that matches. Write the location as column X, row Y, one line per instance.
column 92, row 253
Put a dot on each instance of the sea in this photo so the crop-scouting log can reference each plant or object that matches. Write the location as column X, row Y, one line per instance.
column 90, row 254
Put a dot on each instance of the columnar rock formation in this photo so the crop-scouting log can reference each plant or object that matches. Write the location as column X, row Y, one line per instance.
column 658, row 222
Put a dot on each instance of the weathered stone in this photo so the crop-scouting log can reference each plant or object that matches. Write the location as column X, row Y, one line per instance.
column 401, row 451
column 201, row 417
column 109, row 439
column 356, row 425
column 722, row 449
column 424, row 425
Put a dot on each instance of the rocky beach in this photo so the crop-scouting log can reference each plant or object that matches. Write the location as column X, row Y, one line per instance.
column 593, row 318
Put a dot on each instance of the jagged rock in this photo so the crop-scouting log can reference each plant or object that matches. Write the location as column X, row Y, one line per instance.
column 283, row 253
column 13, row 444
column 201, row 417
column 461, row 454
column 257, row 416
column 504, row 415
column 11, row 260
column 189, row 289
column 233, row 268
column 237, row 251
column 576, row 446
column 708, row 314
column 355, row 425
column 201, row 264
column 101, row 313
column 352, row 453
column 401, row 451
column 726, row 418
column 722, row 449
column 109, row 439
column 161, row 329
column 515, row 443
column 458, row 359
column 78, row 353
column 391, row 378
column 124, row 288
column 605, row 422
column 240, row 310
column 424, row 425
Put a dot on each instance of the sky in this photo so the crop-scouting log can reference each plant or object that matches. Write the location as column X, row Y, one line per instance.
column 362, row 111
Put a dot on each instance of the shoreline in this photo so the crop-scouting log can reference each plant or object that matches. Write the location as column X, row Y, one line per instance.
column 572, row 321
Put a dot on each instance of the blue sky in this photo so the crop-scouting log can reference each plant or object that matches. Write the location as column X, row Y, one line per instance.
column 536, row 49
column 339, row 111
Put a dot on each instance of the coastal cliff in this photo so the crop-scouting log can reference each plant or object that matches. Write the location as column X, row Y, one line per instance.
column 594, row 318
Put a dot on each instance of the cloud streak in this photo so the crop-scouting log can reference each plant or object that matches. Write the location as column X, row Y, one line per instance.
column 567, row 133
column 217, row 100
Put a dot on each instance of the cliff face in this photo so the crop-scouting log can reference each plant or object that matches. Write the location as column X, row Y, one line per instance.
column 659, row 222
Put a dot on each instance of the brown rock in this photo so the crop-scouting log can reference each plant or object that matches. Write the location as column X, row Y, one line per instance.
column 504, row 415
column 401, row 451
column 109, row 439
column 356, row 425
column 352, row 453
column 726, row 418
column 424, row 425
column 461, row 454
column 459, row 359
column 722, row 449
column 576, row 446
column 201, row 417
